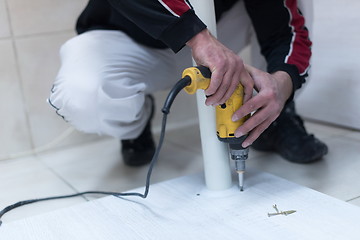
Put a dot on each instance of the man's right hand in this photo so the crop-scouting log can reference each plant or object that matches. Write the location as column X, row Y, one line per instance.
column 227, row 68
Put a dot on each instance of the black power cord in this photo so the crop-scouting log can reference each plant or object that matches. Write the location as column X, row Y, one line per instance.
column 166, row 110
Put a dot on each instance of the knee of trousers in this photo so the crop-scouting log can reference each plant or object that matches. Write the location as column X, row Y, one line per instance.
column 92, row 109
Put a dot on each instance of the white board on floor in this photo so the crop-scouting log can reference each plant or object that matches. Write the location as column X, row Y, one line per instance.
column 184, row 209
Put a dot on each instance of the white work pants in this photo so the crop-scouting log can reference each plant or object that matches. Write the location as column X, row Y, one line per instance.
column 105, row 75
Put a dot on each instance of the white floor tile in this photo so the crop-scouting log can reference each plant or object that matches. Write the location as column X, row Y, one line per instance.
column 98, row 166
column 26, row 178
column 189, row 138
column 355, row 135
column 323, row 131
column 336, row 175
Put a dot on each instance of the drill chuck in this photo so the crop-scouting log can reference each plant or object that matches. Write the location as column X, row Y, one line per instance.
column 239, row 155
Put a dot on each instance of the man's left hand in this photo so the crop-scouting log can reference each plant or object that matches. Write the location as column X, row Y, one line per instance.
column 273, row 91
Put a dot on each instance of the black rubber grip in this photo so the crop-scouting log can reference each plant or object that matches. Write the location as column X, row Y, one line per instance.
column 204, row 71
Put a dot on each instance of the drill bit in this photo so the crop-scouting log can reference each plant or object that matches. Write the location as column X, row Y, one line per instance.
column 239, row 155
column 241, row 180
column 240, row 169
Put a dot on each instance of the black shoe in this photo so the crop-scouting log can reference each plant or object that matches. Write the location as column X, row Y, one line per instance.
column 288, row 137
column 139, row 151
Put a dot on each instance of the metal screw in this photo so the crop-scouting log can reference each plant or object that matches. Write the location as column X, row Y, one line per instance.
column 280, row 212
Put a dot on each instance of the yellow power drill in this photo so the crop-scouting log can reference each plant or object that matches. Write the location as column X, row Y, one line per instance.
column 225, row 128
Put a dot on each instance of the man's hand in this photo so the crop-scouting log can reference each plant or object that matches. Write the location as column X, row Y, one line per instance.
column 273, row 91
column 227, row 68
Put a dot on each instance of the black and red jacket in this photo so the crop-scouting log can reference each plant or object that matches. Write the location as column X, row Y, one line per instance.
column 278, row 24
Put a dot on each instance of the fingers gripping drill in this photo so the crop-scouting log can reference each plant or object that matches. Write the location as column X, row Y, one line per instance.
column 225, row 127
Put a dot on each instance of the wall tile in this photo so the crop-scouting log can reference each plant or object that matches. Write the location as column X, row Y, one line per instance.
column 39, row 63
column 41, row 16
column 332, row 92
column 4, row 23
column 14, row 135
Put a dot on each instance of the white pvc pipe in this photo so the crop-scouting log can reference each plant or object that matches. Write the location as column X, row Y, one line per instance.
column 215, row 153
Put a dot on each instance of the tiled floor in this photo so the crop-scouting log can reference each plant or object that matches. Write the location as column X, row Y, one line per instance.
column 98, row 166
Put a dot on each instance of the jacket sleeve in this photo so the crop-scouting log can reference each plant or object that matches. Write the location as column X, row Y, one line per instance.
column 174, row 22
column 283, row 37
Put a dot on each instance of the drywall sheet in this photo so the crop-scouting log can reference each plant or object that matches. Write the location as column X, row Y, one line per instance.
column 184, row 209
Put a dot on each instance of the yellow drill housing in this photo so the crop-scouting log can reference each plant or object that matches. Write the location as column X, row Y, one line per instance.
column 225, row 127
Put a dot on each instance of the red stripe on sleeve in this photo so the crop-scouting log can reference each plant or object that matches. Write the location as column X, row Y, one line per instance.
column 177, row 6
column 300, row 52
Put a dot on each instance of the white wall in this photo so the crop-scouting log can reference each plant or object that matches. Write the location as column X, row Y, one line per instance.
column 332, row 94
column 30, row 35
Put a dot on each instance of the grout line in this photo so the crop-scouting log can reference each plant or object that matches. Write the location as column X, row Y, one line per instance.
column 32, row 153
column 45, row 34
column 61, row 178
column 77, row 145
column 358, row 197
